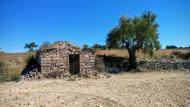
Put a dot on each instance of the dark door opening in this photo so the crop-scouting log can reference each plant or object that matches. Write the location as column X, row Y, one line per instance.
column 74, row 64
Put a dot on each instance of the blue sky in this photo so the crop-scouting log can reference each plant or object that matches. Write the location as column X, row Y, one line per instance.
column 85, row 21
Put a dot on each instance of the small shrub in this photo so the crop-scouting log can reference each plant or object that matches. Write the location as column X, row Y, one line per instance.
column 10, row 77
column 4, row 78
column 45, row 45
column 2, row 67
column 15, row 77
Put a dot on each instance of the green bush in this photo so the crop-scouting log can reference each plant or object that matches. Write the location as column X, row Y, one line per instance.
column 10, row 77
column 15, row 77
column 2, row 67
column 6, row 75
column 4, row 78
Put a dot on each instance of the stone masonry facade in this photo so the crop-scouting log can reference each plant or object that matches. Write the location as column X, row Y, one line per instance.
column 55, row 58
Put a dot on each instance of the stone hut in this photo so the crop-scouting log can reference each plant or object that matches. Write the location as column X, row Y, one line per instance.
column 66, row 59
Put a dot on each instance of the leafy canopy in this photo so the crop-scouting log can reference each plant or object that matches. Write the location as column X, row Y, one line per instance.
column 135, row 33
column 31, row 46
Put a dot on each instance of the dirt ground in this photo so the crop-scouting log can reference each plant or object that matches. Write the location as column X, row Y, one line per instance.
column 148, row 89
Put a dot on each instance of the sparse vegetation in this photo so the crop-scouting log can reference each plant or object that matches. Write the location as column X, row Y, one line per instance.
column 6, row 75
column 10, row 77
column 45, row 44
column 15, row 77
column 2, row 67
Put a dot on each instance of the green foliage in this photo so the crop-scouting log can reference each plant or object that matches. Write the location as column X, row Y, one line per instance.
column 171, row 47
column 15, row 77
column 6, row 75
column 4, row 78
column 85, row 46
column 135, row 32
column 31, row 46
column 10, row 77
column 2, row 67
column 98, row 46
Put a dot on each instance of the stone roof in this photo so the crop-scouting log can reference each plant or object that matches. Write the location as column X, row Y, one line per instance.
column 89, row 50
column 59, row 45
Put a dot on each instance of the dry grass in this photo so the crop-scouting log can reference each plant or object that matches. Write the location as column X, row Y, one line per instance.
column 15, row 62
column 140, row 55
column 14, row 56
column 121, row 53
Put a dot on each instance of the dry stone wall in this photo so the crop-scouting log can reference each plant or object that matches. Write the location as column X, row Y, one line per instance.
column 87, row 62
column 55, row 60
column 166, row 65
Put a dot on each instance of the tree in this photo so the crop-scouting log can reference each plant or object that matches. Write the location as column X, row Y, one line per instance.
column 1, row 50
column 171, row 47
column 85, row 46
column 98, row 46
column 135, row 33
column 31, row 46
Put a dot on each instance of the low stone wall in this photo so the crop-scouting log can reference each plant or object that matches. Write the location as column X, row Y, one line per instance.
column 166, row 65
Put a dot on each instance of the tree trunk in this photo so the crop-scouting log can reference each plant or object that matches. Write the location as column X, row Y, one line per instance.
column 132, row 58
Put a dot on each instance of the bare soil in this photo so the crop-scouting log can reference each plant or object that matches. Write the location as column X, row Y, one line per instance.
column 140, row 89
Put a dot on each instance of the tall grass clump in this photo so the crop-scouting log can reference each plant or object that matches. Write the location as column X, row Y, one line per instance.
column 6, row 75
column 2, row 67
column 15, row 77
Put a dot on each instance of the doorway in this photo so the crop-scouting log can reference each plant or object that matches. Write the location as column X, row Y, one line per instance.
column 74, row 64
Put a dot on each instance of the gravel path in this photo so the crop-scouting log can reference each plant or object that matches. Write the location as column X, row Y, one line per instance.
column 127, row 89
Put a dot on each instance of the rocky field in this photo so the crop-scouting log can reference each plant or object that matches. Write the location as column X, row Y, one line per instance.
column 127, row 89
